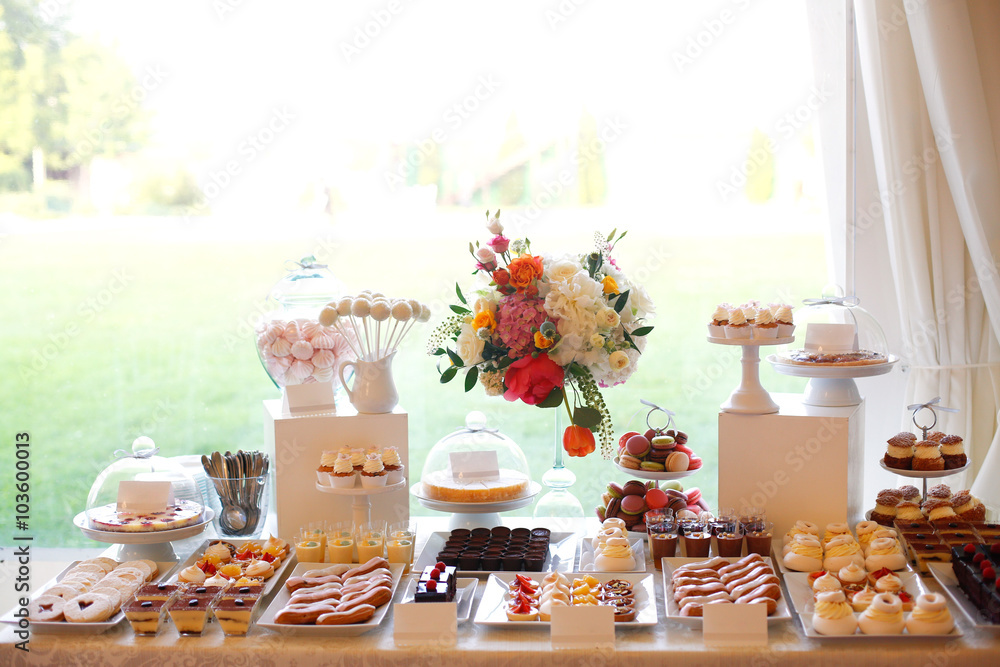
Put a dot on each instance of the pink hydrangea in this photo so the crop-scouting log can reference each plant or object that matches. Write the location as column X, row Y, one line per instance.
column 516, row 314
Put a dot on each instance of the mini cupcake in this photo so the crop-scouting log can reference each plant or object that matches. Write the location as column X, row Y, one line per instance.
column 783, row 316
column 833, row 615
column 930, row 616
column 358, row 458
column 953, row 452
column 326, row 467
column 764, row 325
column 738, row 326
column 720, row 318
column 750, row 311
column 927, row 456
column 373, row 473
column 393, row 466
column 968, row 507
column 343, row 476
column 899, row 452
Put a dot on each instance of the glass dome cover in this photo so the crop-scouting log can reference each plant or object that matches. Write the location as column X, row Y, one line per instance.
column 141, row 465
column 835, row 330
column 441, row 481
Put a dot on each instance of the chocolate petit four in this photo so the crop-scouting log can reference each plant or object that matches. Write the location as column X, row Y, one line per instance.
column 437, row 584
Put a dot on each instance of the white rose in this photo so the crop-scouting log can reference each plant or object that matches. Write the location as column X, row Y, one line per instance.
column 563, row 270
column 469, row 347
column 608, row 318
column 640, row 302
column 618, row 360
column 486, row 256
column 493, row 225
column 597, row 340
column 484, row 303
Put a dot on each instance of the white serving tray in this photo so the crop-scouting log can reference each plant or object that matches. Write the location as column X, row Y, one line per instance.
column 562, row 555
column 463, row 596
column 492, row 611
column 269, row 583
column 945, row 576
column 585, row 556
column 282, row 597
column 781, row 613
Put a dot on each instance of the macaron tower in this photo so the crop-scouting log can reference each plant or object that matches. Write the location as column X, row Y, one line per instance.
column 657, row 451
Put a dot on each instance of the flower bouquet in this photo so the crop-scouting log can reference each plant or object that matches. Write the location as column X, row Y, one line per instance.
column 539, row 327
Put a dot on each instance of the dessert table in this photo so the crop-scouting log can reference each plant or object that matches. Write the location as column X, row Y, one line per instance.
column 487, row 646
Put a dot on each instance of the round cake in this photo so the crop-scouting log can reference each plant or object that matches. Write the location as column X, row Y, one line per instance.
column 510, row 485
column 859, row 358
column 181, row 513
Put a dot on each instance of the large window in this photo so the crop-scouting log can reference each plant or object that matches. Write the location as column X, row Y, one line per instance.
column 175, row 155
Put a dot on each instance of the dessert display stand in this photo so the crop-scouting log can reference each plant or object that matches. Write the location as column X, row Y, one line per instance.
column 750, row 397
column 832, row 386
column 296, row 444
column 475, row 515
column 156, row 546
column 923, row 474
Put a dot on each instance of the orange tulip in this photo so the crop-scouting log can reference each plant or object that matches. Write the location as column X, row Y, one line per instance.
column 578, row 441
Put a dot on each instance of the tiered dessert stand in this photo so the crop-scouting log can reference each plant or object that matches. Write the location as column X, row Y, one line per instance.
column 155, row 546
column 750, row 397
column 926, row 474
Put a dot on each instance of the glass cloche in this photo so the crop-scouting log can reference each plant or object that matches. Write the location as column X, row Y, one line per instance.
column 833, row 330
column 292, row 345
column 452, row 473
column 142, row 464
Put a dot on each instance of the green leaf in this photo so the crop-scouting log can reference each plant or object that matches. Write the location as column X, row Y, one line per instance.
column 641, row 331
column 458, row 290
column 622, row 300
column 504, row 362
column 587, row 417
column 471, row 377
column 622, row 236
column 438, row 352
column 472, row 250
column 448, row 374
column 630, row 341
column 455, row 359
column 553, row 400
column 577, row 370
column 460, row 310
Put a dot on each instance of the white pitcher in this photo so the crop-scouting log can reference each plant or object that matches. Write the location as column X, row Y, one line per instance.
column 374, row 391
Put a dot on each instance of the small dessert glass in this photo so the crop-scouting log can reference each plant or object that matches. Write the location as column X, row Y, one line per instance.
column 697, row 540
column 662, row 531
column 759, row 537
column 399, row 543
column 729, row 540
column 370, row 540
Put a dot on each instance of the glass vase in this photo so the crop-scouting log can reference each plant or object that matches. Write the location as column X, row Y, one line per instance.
column 559, row 502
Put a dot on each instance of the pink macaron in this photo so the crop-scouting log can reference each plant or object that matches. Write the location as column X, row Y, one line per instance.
column 655, row 499
column 684, row 449
column 694, row 463
column 693, row 495
column 633, row 505
column 637, row 446
column 676, row 462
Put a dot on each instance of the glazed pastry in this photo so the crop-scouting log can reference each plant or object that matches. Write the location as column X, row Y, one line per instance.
column 864, row 531
column 909, row 510
column 885, row 506
column 927, row 456
column 801, row 528
column 884, row 616
column 805, row 554
column 833, row 615
column 968, row 507
column 862, row 599
column 835, row 529
column 841, row 551
column 953, row 452
column 885, row 552
column 938, row 510
column 853, row 578
column 899, row 451
column 930, row 616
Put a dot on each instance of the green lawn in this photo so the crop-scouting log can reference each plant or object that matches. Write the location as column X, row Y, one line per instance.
column 114, row 334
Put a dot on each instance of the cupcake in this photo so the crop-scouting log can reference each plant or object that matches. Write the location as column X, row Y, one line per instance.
column 343, row 475
column 326, row 467
column 938, row 510
column 750, row 311
column 358, row 458
column 720, row 318
column 783, row 316
column 968, row 507
column 930, row 616
column 738, row 326
column 885, row 506
column 953, row 452
column 764, row 325
column 833, row 615
column 373, row 473
column 393, row 466
column 899, row 452
column 927, row 456
column 910, row 492
column 884, row 616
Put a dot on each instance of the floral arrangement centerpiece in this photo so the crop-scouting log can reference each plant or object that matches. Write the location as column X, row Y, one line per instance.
column 540, row 327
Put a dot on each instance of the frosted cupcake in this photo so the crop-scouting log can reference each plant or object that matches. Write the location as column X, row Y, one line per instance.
column 764, row 324
column 783, row 316
column 343, row 475
column 720, row 318
column 373, row 474
column 393, row 466
column 326, row 467
column 738, row 327
column 358, row 458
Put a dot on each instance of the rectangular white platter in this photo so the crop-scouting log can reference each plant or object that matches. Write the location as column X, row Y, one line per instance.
column 463, row 596
column 776, row 548
column 282, row 597
column 945, row 576
column 67, row 628
column 269, row 583
column 801, row 595
column 492, row 612
column 781, row 613
column 585, row 556
column 562, row 555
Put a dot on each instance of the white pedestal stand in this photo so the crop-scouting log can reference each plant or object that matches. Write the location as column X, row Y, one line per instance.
column 475, row 515
column 362, row 505
column 155, row 546
column 750, row 397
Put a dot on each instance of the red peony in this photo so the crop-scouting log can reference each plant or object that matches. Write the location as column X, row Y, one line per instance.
column 532, row 379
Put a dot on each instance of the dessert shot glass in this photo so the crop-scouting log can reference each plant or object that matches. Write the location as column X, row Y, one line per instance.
column 340, row 543
column 759, row 537
column 370, row 540
column 661, row 529
column 729, row 540
column 400, row 541
column 697, row 540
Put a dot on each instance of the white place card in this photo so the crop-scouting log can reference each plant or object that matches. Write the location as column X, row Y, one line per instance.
column 471, row 466
column 734, row 625
column 425, row 624
column 831, row 337
column 140, row 496
column 583, row 626
column 303, row 398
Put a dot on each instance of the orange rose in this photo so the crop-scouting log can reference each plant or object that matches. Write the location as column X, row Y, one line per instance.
column 484, row 319
column 541, row 342
column 524, row 270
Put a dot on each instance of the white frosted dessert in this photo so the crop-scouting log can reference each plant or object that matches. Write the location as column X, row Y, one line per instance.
column 616, row 556
column 509, row 485
column 833, row 615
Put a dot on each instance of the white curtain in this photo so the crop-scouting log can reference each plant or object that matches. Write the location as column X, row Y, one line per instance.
column 931, row 76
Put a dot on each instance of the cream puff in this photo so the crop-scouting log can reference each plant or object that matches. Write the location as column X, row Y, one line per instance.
column 801, row 528
column 841, row 551
column 835, row 530
column 885, row 552
column 927, row 456
column 909, row 510
column 805, row 554
column 885, row 506
column 884, row 616
column 930, row 616
column 938, row 510
column 833, row 615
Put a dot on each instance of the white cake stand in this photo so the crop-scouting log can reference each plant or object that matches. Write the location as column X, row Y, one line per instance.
column 362, row 505
column 750, row 398
column 475, row 515
column 652, row 475
column 923, row 474
column 155, row 545
column 831, row 386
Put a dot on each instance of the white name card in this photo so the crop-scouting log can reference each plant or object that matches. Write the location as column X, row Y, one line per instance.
column 831, row 337
column 472, row 466
column 734, row 625
column 429, row 624
column 138, row 497
column 584, row 626
column 303, row 398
